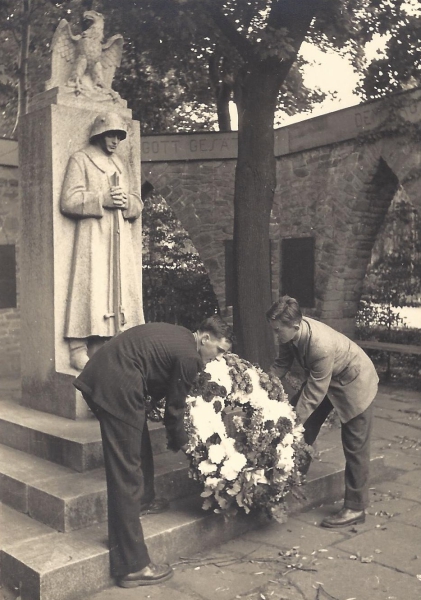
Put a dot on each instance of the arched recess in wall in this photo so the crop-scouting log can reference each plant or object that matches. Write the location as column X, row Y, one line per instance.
column 176, row 286
column 338, row 201
column 393, row 272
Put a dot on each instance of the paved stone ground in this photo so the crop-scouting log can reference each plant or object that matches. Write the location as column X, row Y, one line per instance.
column 298, row 560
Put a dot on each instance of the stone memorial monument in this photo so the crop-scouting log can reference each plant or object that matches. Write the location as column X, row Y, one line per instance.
column 79, row 154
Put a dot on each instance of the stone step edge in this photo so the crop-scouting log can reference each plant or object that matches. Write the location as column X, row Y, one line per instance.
column 80, row 493
column 84, row 554
column 80, row 431
column 74, row 444
column 74, row 565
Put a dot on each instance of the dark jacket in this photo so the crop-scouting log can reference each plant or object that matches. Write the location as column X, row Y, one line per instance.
column 155, row 359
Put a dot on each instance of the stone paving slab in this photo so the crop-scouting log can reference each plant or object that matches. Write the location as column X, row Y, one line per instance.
column 396, row 542
column 411, row 517
column 413, row 478
column 385, row 504
column 346, row 579
column 399, row 490
column 389, row 430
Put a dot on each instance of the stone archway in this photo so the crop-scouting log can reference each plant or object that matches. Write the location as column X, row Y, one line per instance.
column 339, row 196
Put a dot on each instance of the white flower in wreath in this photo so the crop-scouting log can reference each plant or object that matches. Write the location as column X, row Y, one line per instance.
column 213, row 482
column 258, row 477
column 216, row 453
column 233, row 466
column 228, row 445
column 207, row 467
column 285, row 457
column 288, row 439
column 207, row 422
column 220, row 374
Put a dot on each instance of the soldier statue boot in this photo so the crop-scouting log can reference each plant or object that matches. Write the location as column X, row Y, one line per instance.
column 78, row 353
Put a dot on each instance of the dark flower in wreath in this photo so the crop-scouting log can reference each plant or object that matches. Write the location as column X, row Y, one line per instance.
column 208, row 396
column 284, row 426
column 214, row 439
column 249, row 388
column 217, row 390
column 269, row 425
column 217, row 405
column 200, row 383
column 264, row 378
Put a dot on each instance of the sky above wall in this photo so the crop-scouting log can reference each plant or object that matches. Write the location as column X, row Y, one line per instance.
column 334, row 75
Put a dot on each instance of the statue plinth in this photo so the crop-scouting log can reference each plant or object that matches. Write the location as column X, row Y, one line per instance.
column 56, row 126
column 65, row 95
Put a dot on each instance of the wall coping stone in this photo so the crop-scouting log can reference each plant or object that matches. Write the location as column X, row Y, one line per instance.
column 325, row 130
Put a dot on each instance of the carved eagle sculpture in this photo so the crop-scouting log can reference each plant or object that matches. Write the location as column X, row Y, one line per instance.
column 84, row 61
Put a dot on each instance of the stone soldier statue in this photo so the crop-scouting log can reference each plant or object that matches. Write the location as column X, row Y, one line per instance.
column 104, row 294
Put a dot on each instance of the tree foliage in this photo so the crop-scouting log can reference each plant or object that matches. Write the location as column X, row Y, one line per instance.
column 398, row 67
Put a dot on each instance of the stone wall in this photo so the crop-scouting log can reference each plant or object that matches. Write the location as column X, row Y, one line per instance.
column 338, row 195
column 332, row 185
column 9, row 235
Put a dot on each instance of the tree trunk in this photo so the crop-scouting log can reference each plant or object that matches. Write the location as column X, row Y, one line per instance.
column 222, row 107
column 255, row 182
column 23, row 62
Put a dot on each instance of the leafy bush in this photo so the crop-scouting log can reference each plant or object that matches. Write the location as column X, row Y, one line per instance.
column 176, row 286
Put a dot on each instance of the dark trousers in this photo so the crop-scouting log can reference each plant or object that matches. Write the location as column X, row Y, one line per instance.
column 129, row 471
column 356, row 436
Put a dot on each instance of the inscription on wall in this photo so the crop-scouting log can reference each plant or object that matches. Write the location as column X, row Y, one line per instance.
column 189, row 147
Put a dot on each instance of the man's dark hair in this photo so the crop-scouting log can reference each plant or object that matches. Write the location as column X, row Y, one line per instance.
column 286, row 310
column 217, row 327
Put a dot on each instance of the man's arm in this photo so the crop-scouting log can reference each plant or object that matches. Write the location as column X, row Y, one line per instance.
column 182, row 377
column 316, row 386
column 283, row 363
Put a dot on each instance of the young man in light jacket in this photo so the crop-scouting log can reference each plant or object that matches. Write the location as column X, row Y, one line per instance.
column 338, row 375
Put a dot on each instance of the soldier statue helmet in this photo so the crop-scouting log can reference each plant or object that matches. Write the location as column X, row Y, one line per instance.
column 106, row 122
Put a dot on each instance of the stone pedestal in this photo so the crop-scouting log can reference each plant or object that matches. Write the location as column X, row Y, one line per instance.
column 56, row 126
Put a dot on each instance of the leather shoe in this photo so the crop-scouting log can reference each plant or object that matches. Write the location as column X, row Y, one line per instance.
column 344, row 518
column 155, row 507
column 152, row 574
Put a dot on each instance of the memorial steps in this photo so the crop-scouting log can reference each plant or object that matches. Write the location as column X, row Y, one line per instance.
column 53, row 515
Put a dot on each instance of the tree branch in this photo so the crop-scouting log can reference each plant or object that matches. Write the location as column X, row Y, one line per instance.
column 228, row 29
column 294, row 16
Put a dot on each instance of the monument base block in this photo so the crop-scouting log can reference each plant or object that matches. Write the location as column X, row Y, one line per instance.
column 56, row 396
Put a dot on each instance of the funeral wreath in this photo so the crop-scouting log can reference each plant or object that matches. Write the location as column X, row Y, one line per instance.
column 245, row 445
